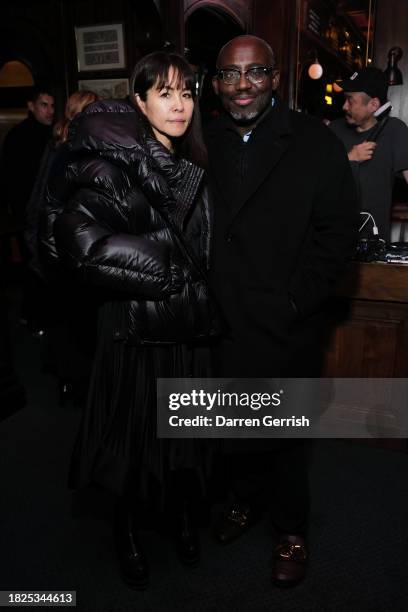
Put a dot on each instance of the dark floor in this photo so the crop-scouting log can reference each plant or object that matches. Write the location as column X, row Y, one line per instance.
column 358, row 535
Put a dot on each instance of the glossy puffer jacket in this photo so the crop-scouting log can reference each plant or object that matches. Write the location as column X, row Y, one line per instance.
column 134, row 220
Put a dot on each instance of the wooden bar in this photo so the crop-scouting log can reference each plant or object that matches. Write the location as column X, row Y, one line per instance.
column 376, row 281
column 370, row 323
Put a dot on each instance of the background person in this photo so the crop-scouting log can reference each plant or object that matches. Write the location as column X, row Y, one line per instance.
column 377, row 146
column 52, row 151
column 23, row 148
column 69, row 322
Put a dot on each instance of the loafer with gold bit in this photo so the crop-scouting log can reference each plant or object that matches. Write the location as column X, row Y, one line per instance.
column 290, row 560
column 235, row 522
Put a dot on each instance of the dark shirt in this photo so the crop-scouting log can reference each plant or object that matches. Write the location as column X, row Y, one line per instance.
column 375, row 177
column 236, row 162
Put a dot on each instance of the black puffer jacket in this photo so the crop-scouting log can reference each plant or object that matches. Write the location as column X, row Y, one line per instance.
column 116, row 215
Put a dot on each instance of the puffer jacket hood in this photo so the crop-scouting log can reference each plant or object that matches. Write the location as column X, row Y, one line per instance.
column 91, row 131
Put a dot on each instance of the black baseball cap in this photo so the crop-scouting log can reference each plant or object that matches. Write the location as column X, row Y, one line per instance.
column 370, row 80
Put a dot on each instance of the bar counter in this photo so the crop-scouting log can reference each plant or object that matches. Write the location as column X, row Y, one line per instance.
column 369, row 316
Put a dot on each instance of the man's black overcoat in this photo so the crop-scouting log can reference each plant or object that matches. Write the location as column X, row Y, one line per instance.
column 285, row 219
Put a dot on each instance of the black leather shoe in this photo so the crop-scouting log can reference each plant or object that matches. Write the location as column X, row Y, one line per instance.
column 234, row 523
column 132, row 560
column 290, row 560
column 187, row 538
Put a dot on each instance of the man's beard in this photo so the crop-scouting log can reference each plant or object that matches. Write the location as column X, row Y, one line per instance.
column 244, row 118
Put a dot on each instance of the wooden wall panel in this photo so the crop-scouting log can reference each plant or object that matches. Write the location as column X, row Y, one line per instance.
column 276, row 22
column 369, row 345
column 142, row 30
column 41, row 33
column 370, row 322
column 31, row 33
column 391, row 30
column 89, row 13
column 173, row 20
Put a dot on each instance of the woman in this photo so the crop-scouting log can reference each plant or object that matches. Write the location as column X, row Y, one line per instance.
column 73, row 106
column 53, row 152
column 136, row 226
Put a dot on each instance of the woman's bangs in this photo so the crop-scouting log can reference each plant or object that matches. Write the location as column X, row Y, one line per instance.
column 181, row 78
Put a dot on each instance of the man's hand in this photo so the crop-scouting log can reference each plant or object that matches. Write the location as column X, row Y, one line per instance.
column 362, row 152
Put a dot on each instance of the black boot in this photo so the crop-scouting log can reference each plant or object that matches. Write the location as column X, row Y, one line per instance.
column 186, row 537
column 132, row 560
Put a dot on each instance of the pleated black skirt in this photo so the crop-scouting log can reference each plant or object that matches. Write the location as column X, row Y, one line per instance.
column 117, row 445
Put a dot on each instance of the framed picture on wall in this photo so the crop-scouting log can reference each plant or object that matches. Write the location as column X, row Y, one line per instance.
column 106, row 88
column 100, row 47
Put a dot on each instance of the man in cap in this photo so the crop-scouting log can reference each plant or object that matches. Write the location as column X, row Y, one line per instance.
column 284, row 225
column 376, row 144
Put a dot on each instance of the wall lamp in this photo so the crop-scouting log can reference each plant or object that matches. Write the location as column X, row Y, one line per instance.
column 394, row 74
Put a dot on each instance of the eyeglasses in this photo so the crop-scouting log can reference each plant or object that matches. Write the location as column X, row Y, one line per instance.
column 256, row 75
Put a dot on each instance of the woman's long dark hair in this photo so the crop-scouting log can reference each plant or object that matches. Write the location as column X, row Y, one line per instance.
column 153, row 71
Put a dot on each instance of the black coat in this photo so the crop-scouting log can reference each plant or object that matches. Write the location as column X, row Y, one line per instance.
column 115, row 216
column 285, row 225
column 22, row 150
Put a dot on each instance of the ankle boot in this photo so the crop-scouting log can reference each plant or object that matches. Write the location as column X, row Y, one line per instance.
column 132, row 559
column 186, row 537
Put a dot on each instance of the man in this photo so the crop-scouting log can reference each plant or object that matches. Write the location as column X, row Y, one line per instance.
column 23, row 148
column 284, row 225
column 377, row 145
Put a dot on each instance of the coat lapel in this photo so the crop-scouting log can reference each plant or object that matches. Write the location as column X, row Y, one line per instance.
column 264, row 154
column 267, row 145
